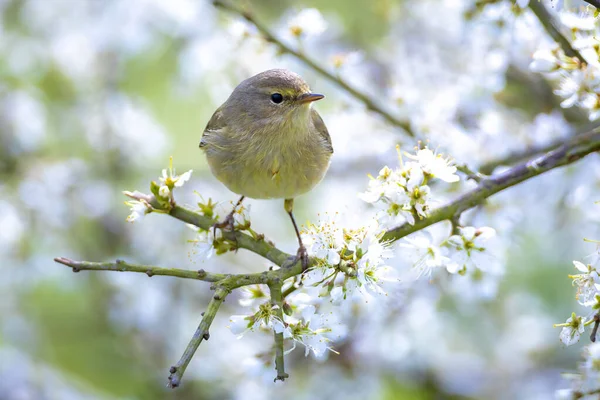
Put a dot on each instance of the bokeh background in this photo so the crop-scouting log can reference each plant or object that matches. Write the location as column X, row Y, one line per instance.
column 95, row 95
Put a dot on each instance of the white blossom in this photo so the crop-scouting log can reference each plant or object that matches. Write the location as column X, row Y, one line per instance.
column 324, row 241
column 403, row 194
column 314, row 331
column 592, row 361
column 578, row 22
column 572, row 329
column 265, row 317
column 467, row 249
column 308, row 22
column 252, row 295
column 171, row 180
column 138, row 210
column 425, row 256
column 586, row 282
column 435, row 165
column 571, row 88
column 544, row 61
column 204, row 244
column 164, row 191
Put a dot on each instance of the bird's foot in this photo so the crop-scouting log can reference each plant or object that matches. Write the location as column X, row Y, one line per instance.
column 226, row 224
column 302, row 255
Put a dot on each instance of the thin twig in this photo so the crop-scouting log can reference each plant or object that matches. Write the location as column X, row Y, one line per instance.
column 277, row 301
column 150, row 270
column 553, row 29
column 595, row 328
column 527, row 153
column 476, row 176
column 201, row 334
column 337, row 80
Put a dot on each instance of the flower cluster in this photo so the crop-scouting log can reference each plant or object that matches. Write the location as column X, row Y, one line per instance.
column 584, row 383
column 350, row 260
column 579, row 79
column 462, row 253
column 403, row 194
column 169, row 180
column 587, row 282
column 314, row 331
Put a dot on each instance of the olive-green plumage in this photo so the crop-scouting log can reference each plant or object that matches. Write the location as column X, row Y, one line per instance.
column 262, row 149
column 267, row 142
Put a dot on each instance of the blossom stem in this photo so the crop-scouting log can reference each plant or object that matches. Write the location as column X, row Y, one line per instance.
column 596, row 320
column 291, row 289
column 277, row 300
column 201, row 334
column 334, row 78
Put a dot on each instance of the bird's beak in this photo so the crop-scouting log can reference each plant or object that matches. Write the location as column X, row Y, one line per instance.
column 309, row 97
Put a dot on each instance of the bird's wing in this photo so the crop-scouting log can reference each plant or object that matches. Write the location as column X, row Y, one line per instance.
column 322, row 129
column 216, row 124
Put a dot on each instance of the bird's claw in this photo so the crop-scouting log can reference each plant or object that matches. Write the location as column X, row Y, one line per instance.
column 302, row 255
column 226, row 224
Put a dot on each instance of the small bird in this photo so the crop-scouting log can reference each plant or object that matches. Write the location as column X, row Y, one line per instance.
column 267, row 142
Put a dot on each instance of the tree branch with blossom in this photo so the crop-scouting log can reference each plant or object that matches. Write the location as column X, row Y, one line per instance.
column 571, row 151
column 162, row 201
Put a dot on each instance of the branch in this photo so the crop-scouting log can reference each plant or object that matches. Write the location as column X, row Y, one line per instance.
column 123, row 266
column 201, row 334
column 553, row 29
column 369, row 103
column 568, row 153
column 277, row 300
column 524, row 154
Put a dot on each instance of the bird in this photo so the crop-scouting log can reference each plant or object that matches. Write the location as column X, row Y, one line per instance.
column 268, row 142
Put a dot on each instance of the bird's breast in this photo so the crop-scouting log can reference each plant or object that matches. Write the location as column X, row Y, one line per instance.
column 269, row 166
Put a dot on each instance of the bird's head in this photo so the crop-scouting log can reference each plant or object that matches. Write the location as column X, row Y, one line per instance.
column 277, row 96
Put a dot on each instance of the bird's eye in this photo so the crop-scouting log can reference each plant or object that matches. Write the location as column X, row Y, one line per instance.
column 276, row 98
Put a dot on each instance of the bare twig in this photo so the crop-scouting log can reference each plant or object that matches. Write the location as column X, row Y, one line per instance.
column 527, row 153
column 123, row 266
column 553, row 29
column 337, row 80
column 595, row 328
column 201, row 334
column 277, row 301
